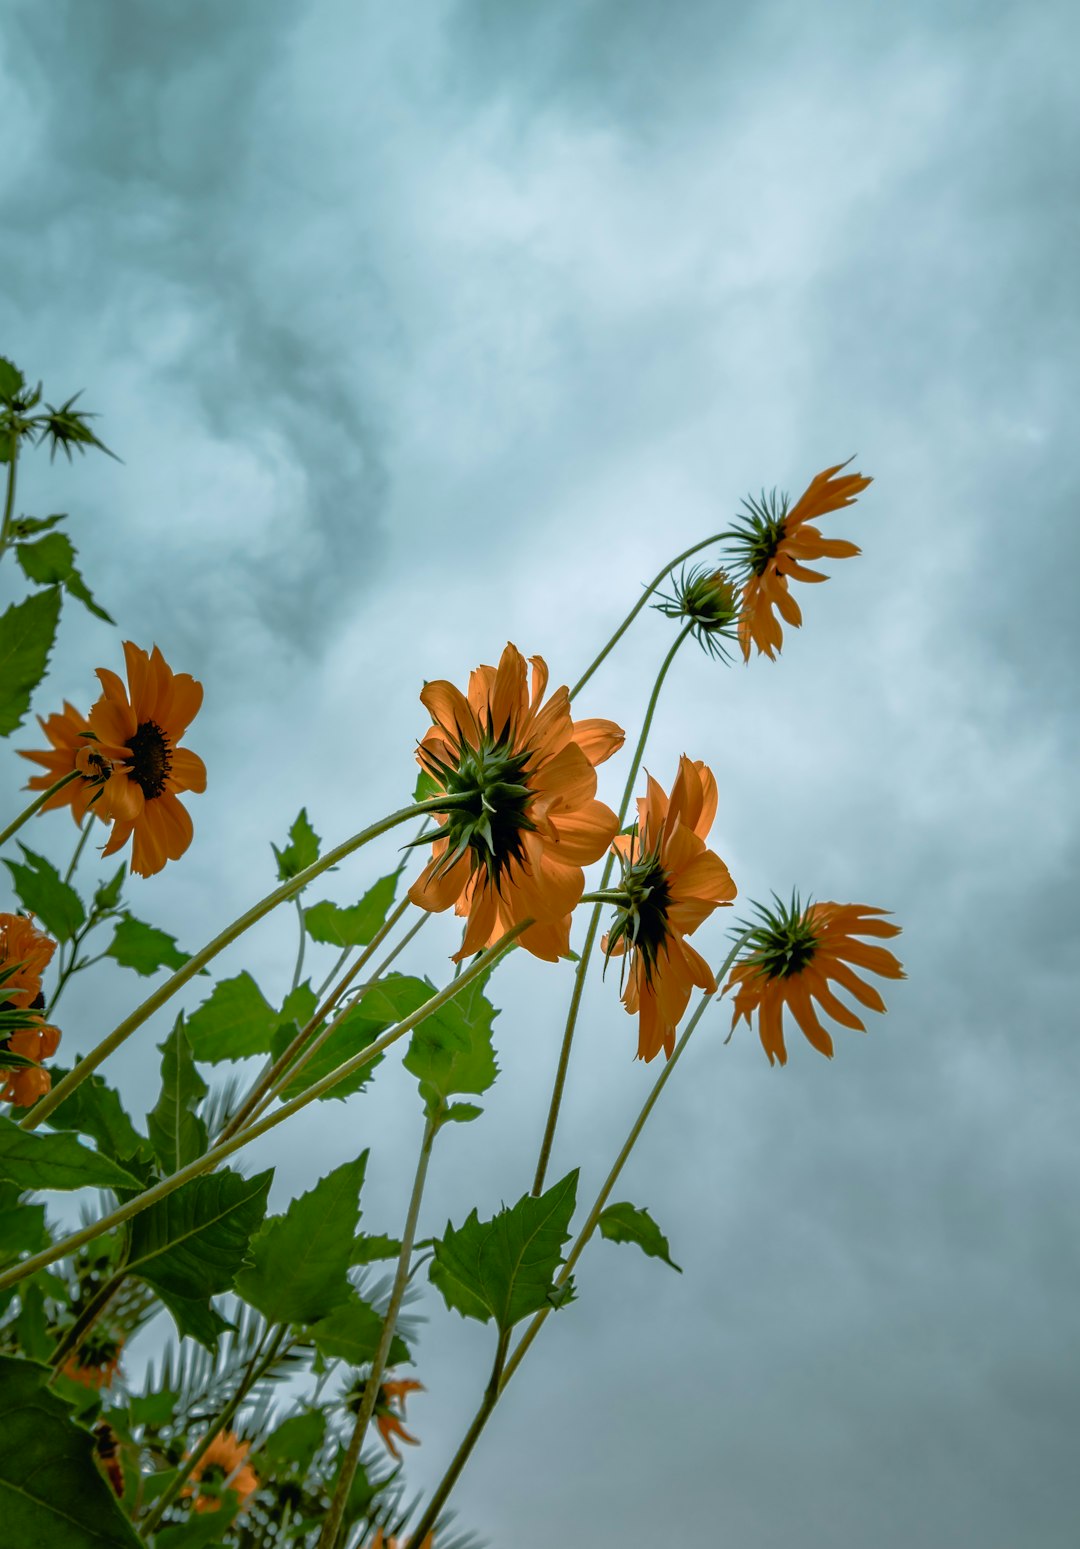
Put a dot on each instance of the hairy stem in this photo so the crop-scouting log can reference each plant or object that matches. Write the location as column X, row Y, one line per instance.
column 594, row 922
column 332, row 1523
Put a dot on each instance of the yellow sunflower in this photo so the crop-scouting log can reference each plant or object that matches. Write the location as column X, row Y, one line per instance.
column 774, row 541
column 793, row 955
column 673, row 883
column 138, row 731
column 522, row 817
column 225, row 1463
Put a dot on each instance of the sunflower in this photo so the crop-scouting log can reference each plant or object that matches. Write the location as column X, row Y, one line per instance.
column 522, row 818
column 225, row 1465
column 390, row 1411
column 67, row 733
column 96, row 1362
column 773, row 542
column 795, row 951
column 673, row 883
column 25, row 953
column 137, row 730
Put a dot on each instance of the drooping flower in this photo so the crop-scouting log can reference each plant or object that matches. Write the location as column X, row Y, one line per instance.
column 792, row 956
column 96, row 1362
column 224, row 1463
column 25, row 953
column 772, row 543
column 673, row 883
column 66, row 731
column 522, row 817
column 138, row 731
column 389, row 1412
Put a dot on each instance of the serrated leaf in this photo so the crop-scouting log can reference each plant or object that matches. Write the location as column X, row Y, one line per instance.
column 459, row 1113
column 191, row 1244
column 44, row 893
column 144, row 948
column 152, row 1409
column 27, row 526
column 354, row 1032
column 354, row 926
column 202, row 1529
column 298, row 1262
column 370, row 1249
column 22, row 1230
column 12, row 380
column 505, row 1268
column 450, row 1051
column 27, row 632
column 233, row 1022
column 51, row 1491
column 296, row 1441
column 177, row 1133
column 351, row 1333
column 195, row 1317
column 56, row 1161
column 301, row 851
column 628, row 1223
column 94, row 1109
column 50, row 561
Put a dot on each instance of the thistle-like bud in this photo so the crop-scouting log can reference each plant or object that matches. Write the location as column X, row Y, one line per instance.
column 709, row 600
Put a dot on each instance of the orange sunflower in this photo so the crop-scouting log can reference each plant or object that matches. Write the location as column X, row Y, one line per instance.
column 224, row 1463
column 25, row 953
column 673, row 883
column 522, row 817
column 795, row 951
column 774, row 542
column 67, row 733
column 138, row 730
column 390, row 1411
column 96, row 1362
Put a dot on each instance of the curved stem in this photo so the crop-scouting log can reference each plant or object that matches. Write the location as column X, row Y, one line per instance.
column 84, row 834
column 636, row 609
column 594, row 921
column 298, row 970
column 37, row 804
column 154, row 1002
column 332, row 1521
column 225, row 1148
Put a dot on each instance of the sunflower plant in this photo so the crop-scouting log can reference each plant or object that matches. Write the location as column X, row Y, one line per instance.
column 277, row 1414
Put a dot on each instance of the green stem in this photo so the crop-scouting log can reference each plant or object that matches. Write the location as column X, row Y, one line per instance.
column 154, row 1002
column 332, row 1522
column 298, row 970
column 271, row 1076
column 9, row 502
column 225, row 1148
column 84, row 834
column 594, row 921
column 37, row 804
column 461, row 1456
column 636, row 609
column 256, row 1369
column 505, row 1369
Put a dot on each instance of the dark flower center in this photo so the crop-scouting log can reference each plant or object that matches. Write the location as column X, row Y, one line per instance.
column 643, row 920
column 151, row 759
column 488, row 816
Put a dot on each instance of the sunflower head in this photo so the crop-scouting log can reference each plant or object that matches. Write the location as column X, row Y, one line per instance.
column 642, row 920
column 488, row 794
column 758, row 532
column 223, row 1466
column 709, row 600
column 783, row 941
column 96, row 1362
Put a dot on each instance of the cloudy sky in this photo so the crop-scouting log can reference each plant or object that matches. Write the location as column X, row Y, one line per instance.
column 422, row 328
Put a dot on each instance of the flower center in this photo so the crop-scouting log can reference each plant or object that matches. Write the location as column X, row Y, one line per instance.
column 786, row 942
column 489, row 816
column 151, row 759
column 643, row 921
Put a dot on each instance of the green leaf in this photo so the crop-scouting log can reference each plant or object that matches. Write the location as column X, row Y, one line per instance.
column 12, row 380
column 22, row 1230
column 27, row 632
column 27, row 526
column 44, row 893
column 354, row 1032
column 234, row 1021
column 628, row 1223
column 107, row 896
column 191, row 1244
column 426, row 787
column 152, row 1409
column 355, row 926
column 143, row 947
column 296, row 1441
column 299, row 1261
column 505, row 1268
column 369, row 1250
column 56, row 1161
column 351, row 1333
column 177, row 1133
column 450, row 1052
column 202, row 1529
column 51, row 1492
column 50, row 561
column 94, row 1109
column 301, row 851
column 195, row 1317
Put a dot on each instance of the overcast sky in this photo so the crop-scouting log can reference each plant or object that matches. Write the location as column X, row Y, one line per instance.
column 421, row 328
